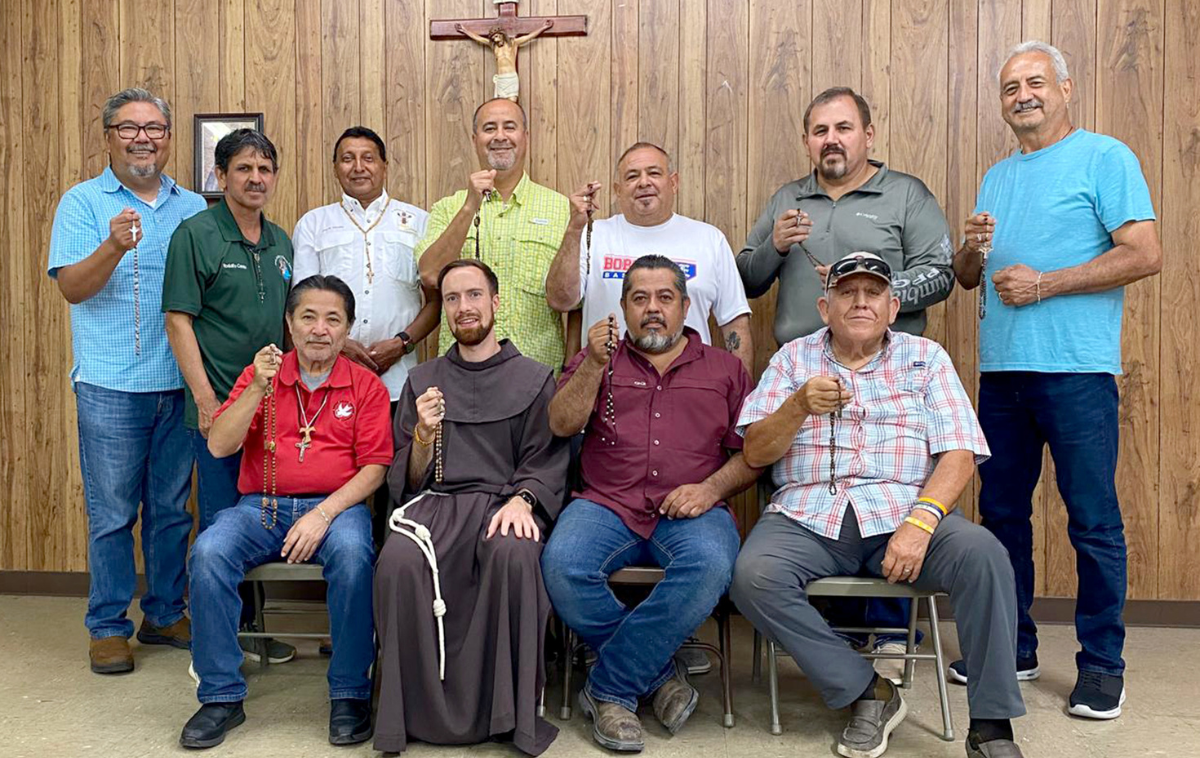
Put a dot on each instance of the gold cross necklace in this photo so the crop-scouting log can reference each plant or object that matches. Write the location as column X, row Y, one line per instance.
column 365, row 232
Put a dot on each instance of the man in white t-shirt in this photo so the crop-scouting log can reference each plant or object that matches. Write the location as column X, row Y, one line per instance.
column 645, row 187
column 367, row 241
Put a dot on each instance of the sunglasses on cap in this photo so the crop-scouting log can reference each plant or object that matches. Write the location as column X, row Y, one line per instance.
column 858, row 263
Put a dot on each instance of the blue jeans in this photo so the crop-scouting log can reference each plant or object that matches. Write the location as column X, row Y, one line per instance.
column 1076, row 414
column 635, row 645
column 133, row 449
column 216, row 481
column 238, row 542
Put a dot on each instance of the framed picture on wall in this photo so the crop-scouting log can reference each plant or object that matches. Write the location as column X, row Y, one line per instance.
column 208, row 129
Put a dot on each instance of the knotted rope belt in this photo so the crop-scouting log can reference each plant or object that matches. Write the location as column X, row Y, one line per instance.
column 419, row 533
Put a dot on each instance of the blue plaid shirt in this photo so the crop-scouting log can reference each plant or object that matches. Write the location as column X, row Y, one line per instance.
column 102, row 327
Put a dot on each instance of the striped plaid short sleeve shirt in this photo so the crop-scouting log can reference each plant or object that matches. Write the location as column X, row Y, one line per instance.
column 907, row 406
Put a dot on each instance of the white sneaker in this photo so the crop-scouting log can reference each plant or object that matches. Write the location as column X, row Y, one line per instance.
column 891, row 669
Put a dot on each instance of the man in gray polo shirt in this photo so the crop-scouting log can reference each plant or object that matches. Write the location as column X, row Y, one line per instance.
column 849, row 203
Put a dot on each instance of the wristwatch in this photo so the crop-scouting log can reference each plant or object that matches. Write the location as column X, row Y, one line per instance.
column 407, row 340
column 528, row 497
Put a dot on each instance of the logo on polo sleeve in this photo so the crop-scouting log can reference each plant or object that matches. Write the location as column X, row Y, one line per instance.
column 343, row 410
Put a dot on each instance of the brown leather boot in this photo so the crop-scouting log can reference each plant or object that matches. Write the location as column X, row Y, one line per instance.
column 675, row 700
column 110, row 655
column 177, row 635
column 613, row 727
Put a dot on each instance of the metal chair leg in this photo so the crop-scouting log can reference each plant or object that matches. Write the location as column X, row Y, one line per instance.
column 260, row 643
column 939, row 661
column 726, row 642
column 541, row 706
column 568, row 662
column 756, row 666
column 773, row 687
column 911, row 647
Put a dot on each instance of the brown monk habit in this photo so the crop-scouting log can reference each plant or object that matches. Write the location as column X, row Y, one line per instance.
column 496, row 441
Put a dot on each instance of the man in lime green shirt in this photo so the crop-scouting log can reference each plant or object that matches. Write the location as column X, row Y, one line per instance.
column 520, row 226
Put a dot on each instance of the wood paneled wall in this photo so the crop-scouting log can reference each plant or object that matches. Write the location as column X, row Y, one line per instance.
column 721, row 84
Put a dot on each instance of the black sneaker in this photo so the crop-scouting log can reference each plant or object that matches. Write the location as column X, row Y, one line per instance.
column 1027, row 670
column 1097, row 695
column 277, row 652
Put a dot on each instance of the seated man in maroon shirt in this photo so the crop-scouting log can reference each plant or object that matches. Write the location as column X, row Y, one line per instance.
column 317, row 438
column 660, row 456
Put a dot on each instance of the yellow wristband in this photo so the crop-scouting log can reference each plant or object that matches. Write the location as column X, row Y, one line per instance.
column 945, row 511
column 417, row 437
column 919, row 523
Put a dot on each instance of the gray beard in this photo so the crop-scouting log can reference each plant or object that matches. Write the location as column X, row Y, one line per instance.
column 500, row 164
column 656, row 344
column 144, row 172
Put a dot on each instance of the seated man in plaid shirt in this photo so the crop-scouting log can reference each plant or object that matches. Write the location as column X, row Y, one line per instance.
column 873, row 440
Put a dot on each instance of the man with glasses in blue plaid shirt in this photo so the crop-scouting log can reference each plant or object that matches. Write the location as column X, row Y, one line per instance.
column 108, row 250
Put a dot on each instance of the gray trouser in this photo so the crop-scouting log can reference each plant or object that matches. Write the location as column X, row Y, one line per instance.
column 781, row 557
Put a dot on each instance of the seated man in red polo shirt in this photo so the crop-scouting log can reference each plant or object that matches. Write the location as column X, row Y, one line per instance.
column 660, row 457
column 317, row 438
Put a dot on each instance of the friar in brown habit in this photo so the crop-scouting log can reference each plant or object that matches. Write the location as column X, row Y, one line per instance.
column 460, row 609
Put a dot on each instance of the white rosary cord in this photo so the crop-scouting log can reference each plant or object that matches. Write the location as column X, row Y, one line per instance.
column 419, row 533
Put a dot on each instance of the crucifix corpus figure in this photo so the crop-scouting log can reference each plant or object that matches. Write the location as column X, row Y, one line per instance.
column 505, row 49
column 505, row 34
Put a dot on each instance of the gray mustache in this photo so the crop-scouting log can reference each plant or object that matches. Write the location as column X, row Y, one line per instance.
column 1032, row 104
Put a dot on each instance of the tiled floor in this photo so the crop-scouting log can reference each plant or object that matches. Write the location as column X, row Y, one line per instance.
column 52, row 705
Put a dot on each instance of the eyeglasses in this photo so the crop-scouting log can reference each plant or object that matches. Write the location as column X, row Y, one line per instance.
column 130, row 130
column 848, row 266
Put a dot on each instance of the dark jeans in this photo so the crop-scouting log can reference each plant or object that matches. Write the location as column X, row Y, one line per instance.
column 216, row 482
column 1076, row 414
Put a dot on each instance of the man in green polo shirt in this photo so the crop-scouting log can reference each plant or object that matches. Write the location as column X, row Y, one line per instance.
column 847, row 204
column 227, row 276
column 511, row 224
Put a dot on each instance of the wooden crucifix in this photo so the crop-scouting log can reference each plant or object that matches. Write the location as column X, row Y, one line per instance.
column 505, row 34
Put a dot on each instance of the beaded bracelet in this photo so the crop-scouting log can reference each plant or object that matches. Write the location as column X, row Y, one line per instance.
column 324, row 515
column 417, row 438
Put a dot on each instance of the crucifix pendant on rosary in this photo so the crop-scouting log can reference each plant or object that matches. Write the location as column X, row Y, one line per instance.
column 306, row 442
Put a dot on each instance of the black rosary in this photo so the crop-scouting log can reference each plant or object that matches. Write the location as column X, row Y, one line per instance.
column 984, row 249
column 589, row 242
column 477, row 232
column 610, row 412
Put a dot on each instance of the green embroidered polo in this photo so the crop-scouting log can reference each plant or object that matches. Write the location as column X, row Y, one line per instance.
column 234, row 290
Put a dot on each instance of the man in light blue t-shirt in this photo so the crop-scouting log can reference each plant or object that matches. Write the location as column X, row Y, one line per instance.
column 1069, row 222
